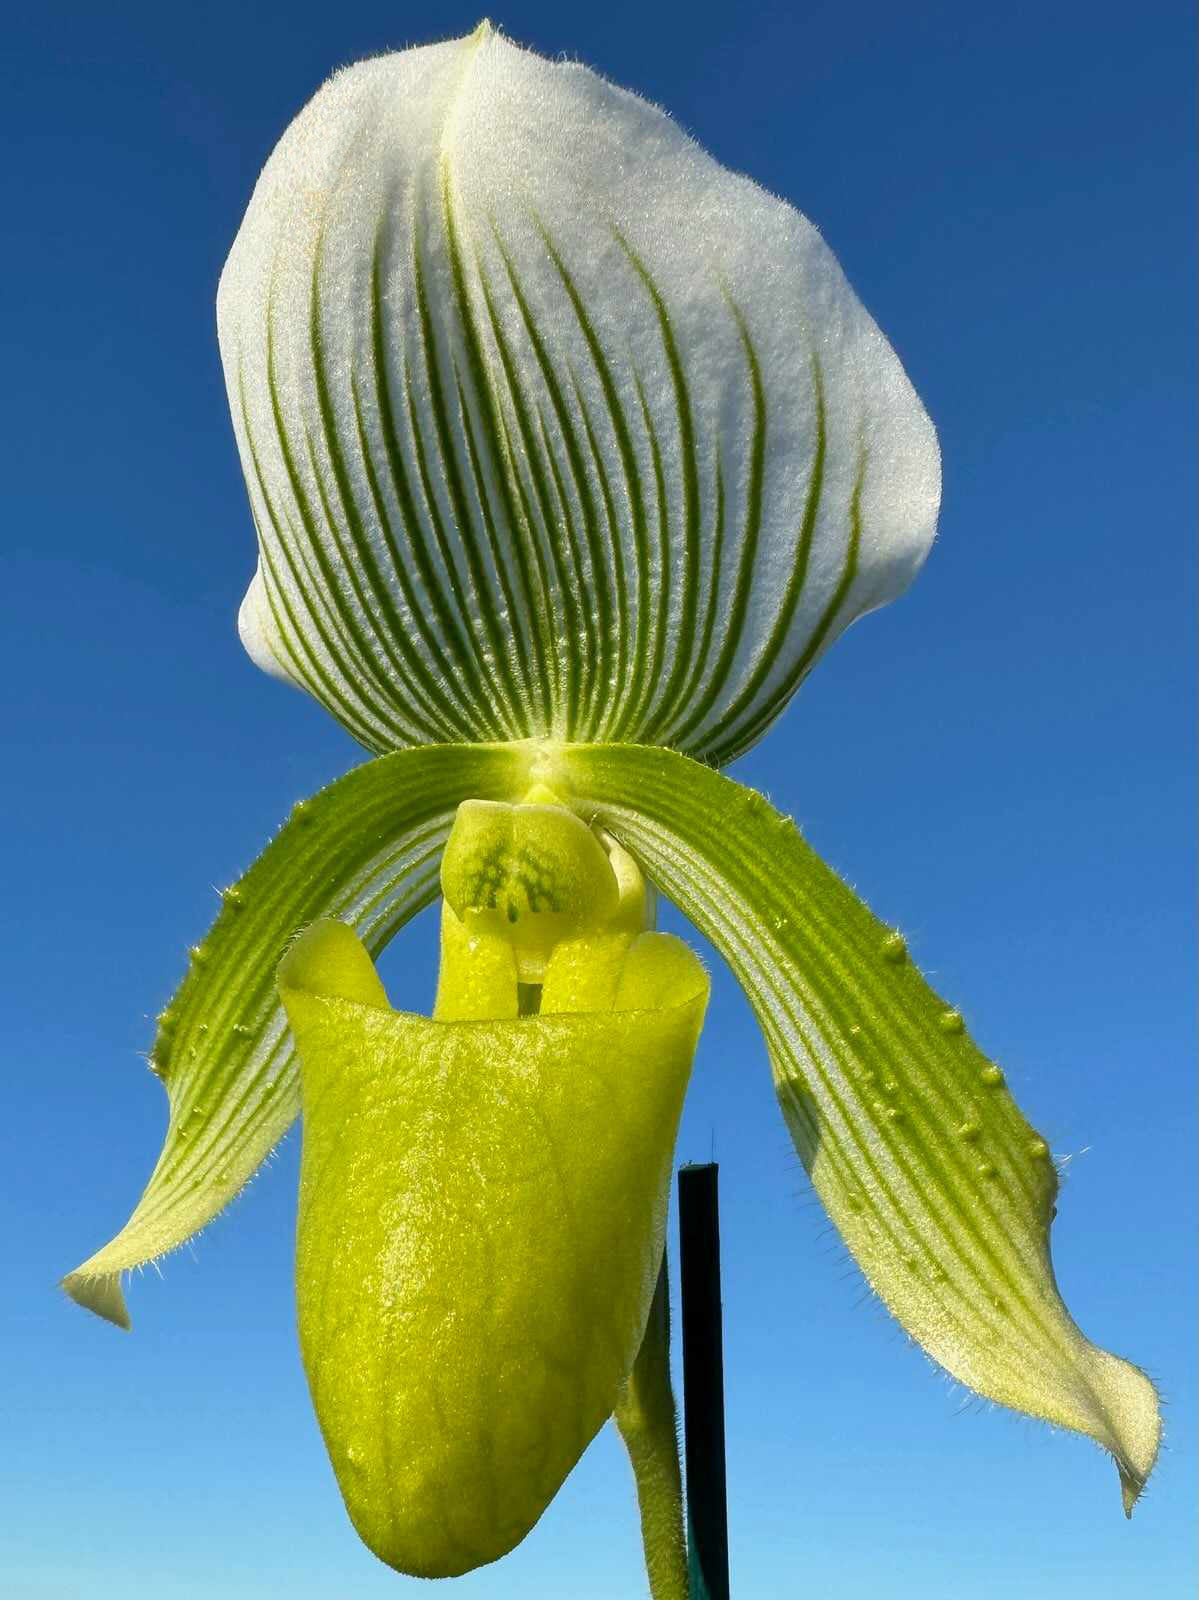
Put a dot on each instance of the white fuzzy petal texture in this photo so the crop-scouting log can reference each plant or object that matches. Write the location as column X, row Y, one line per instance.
column 551, row 425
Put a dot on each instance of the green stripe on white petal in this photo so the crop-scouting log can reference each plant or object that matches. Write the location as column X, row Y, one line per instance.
column 551, row 425
column 367, row 851
column 940, row 1188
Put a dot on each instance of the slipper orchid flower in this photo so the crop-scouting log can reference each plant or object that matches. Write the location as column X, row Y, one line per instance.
column 569, row 454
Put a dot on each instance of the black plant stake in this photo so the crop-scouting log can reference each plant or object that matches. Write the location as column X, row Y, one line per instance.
column 703, row 1383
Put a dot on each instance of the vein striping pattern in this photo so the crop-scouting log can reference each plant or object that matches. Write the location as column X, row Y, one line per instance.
column 551, row 426
column 942, row 1190
column 367, row 850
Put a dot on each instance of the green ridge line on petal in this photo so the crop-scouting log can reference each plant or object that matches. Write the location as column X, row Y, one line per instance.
column 533, row 617
column 566, row 521
column 327, row 587
column 444, row 634
column 486, row 686
column 984, row 1241
column 645, row 712
column 396, row 812
column 565, row 603
column 452, row 719
column 615, row 554
column 472, row 512
column 279, row 1061
column 424, row 891
column 750, row 533
column 567, row 608
column 467, row 656
column 744, row 738
column 797, row 581
column 251, row 1000
column 896, row 1149
column 692, row 688
column 599, row 625
column 278, row 593
column 257, row 993
column 362, row 558
column 399, row 716
column 393, row 635
column 689, row 577
column 510, row 652
column 334, row 694
column 956, row 1185
column 469, row 660
column 525, row 544
column 630, row 697
column 701, row 909
column 255, row 911
column 891, row 1221
column 516, row 644
column 552, row 662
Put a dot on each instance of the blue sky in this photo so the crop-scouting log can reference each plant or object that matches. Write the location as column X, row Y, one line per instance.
column 1002, row 764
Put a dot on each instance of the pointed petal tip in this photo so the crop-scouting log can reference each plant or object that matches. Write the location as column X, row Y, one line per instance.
column 99, row 1292
column 1130, row 1492
column 1121, row 1412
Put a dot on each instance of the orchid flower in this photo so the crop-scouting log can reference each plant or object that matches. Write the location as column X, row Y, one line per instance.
column 569, row 454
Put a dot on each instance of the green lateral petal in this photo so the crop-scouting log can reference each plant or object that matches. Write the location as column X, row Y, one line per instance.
column 552, row 426
column 940, row 1188
column 367, row 850
column 481, row 1224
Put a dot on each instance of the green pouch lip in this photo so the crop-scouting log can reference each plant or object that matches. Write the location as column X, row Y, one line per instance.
column 481, row 1223
column 516, row 1024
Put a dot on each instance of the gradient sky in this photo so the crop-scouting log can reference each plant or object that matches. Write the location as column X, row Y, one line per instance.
column 1001, row 763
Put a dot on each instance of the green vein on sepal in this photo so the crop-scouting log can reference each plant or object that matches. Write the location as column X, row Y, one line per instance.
column 474, row 665
column 440, row 635
column 775, row 644
column 630, row 696
column 447, row 717
column 615, row 549
column 689, row 512
column 581, row 646
column 365, row 850
column 747, row 734
column 312, row 671
column 327, row 588
column 941, row 1189
column 660, row 632
column 749, row 535
column 560, row 591
column 427, row 707
column 599, row 626
column 487, row 450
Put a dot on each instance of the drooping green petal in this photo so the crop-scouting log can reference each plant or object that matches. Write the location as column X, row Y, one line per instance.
column 940, row 1188
column 481, row 1224
column 550, row 424
column 365, row 849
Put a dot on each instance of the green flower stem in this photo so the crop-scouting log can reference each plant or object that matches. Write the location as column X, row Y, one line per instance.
column 648, row 1422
